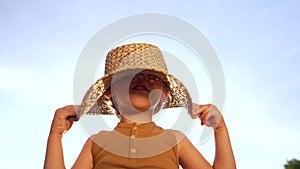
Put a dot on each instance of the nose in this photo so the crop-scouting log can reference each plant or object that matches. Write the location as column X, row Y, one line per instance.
column 140, row 76
column 146, row 77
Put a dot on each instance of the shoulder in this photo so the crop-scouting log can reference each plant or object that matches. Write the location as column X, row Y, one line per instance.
column 189, row 156
column 95, row 142
column 85, row 158
column 177, row 134
column 100, row 134
column 183, row 142
column 184, row 145
column 104, row 138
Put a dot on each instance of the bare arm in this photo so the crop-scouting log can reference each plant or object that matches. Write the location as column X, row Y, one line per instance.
column 85, row 158
column 54, row 153
column 191, row 158
column 60, row 124
column 224, row 157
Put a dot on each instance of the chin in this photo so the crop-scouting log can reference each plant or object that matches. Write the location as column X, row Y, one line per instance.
column 140, row 103
column 141, row 109
column 144, row 106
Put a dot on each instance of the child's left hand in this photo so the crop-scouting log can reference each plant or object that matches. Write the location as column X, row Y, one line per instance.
column 208, row 114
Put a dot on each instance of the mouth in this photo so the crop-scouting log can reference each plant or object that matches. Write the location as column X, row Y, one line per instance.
column 140, row 87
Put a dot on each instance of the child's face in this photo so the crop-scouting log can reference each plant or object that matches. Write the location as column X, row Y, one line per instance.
column 139, row 93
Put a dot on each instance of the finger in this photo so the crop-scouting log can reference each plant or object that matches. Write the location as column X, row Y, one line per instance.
column 206, row 113
column 68, row 125
column 201, row 108
column 204, row 107
column 204, row 117
column 71, row 107
column 66, row 111
column 76, row 109
column 197, row 110
column 72, row 118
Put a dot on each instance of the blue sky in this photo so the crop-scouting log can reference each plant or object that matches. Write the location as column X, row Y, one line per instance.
column 257, row 42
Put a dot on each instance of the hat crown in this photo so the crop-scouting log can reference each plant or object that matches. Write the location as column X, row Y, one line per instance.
column 135, row 56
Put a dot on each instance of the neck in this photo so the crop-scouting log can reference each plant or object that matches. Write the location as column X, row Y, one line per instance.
column 141, row 117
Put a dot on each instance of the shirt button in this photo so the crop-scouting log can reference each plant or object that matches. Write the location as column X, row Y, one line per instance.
column 132, row 150
column 132, row 136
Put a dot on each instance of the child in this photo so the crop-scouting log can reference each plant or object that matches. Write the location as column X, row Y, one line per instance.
column 137, row 85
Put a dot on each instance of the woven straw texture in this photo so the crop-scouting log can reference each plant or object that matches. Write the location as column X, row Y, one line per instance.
column 127, row 60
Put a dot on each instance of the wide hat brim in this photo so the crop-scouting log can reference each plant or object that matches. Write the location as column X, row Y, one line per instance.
column 97, row 102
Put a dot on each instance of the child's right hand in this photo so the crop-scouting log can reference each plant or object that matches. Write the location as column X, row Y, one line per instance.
column 63, row 119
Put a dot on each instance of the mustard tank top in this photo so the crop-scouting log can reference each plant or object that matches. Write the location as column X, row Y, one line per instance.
column 145, row 146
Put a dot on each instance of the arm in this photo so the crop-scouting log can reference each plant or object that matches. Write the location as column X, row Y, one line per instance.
column 224, row 157
column 60, row 124
column 85, row 158
column 211, row 117
column 191, row 158
column 54, row 153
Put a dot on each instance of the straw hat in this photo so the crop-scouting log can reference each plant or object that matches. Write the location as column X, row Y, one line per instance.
column 129, row 60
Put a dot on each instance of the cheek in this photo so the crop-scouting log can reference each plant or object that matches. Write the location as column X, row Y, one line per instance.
column 158, row 85
column 164, row 97
column 120, row 86
column 164, row 91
